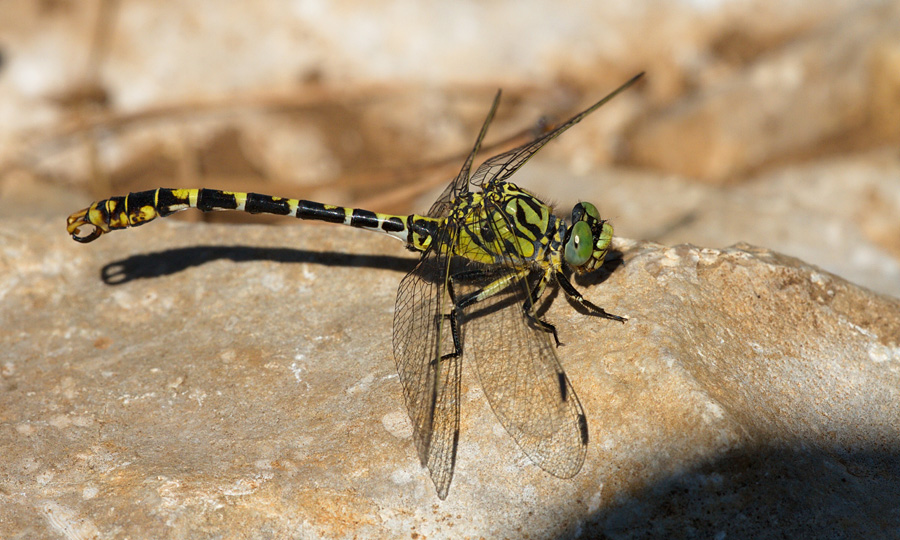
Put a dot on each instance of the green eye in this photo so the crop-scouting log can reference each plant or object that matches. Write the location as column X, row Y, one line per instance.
column 579, row 247
column 591, row 210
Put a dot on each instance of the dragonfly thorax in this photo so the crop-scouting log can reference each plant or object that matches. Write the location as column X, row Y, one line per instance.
column 504, row 223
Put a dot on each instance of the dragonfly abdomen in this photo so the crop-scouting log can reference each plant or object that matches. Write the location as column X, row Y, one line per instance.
column 141, row 207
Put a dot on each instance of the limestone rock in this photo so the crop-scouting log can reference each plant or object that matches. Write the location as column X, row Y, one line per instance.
column 811, row 97
column 184, row 380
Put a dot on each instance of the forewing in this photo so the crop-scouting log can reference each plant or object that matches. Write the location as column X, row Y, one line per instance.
column 502, row 166
column 460, row 184
column 430, row 385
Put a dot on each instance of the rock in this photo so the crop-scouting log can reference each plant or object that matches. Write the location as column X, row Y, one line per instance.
column 832, row 89
column 311, row 96
column 184, row 380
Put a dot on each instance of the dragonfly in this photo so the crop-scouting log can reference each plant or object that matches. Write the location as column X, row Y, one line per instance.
column 489, row 251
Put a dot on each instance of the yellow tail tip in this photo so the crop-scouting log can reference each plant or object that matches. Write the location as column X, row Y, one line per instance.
column 76, row 221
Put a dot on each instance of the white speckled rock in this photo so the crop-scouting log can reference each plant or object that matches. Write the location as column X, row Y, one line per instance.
column 184, row 380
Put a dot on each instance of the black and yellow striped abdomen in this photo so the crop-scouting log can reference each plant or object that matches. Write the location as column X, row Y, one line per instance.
column 141, row 207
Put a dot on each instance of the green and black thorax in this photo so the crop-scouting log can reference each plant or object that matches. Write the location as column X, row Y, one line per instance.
column 491, row 226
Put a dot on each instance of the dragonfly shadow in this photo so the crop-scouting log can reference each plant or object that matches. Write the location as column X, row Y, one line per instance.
column 172, row 261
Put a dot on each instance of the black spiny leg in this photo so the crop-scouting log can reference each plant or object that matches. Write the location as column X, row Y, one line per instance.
column 454, row 331
column 529, row 307
column 573, row 293
column 454, row 316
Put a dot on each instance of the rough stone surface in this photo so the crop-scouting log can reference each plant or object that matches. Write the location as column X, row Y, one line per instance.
column 202, row 381
column 776, row 108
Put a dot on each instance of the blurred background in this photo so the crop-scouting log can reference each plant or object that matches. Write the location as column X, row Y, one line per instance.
column 773, row 123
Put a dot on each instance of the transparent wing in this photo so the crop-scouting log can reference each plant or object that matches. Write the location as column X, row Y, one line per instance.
column 516, row 360
column 460, row 184
column 430, row 385
column 527, row 388
column 502, row 166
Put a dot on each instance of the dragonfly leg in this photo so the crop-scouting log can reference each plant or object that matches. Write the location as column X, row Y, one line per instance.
column 573, row 293
column 454, row 332
column 497, row 286
column 453, row 316
column 529, row 308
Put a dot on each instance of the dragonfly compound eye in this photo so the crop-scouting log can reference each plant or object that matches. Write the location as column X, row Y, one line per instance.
column 591, row 210
column 579, row 247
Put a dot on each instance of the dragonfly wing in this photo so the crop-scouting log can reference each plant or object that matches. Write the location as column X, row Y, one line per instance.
column 526, row 386
column 430, row 385
column 502, row 166
column 460, row 184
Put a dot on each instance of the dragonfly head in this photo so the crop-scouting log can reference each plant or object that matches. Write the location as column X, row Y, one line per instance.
column 587, row 239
